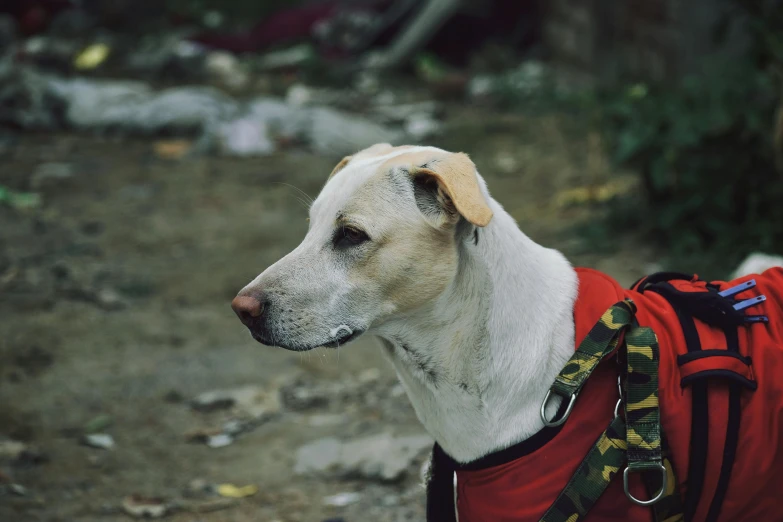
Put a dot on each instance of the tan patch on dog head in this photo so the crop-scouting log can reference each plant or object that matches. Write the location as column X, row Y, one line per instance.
column 340, row 166
column 377, row 150
column 456, row 175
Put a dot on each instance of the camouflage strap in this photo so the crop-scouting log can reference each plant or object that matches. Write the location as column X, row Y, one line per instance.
column 640, row 444
column 669, row 508
column 592, row 477
column 599, row 342
column 642, row 413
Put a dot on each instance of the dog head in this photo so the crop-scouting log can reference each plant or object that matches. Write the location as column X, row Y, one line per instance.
column 383, row 242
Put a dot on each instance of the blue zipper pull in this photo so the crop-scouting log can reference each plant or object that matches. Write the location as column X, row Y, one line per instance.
column 734, row 290
column 747, row 303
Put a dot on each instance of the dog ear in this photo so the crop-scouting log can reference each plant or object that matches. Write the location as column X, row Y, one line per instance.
column 340, row 166
column 448, row 185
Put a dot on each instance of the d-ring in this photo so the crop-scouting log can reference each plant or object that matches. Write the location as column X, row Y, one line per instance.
column 617, row 408
column 659, row 496
column 562, row 419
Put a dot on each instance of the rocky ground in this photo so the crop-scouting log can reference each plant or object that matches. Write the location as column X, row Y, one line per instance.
column 128, row 387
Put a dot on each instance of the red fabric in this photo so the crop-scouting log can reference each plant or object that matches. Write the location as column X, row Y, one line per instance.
column 522, row 490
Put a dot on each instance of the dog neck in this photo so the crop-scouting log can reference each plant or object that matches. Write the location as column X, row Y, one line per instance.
column 476, row 363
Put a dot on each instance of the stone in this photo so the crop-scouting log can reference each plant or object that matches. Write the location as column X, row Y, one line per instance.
column 252, row 401
column 99, row 441
column 50, row 173
column 342, row 499
column 318, row 457
column 381, row 457
column 338, row 133
column 144, row 507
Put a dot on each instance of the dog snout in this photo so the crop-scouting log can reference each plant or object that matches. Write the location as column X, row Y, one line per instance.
column 248, row 308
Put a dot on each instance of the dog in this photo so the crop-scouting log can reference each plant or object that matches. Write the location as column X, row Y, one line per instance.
column 406, row 244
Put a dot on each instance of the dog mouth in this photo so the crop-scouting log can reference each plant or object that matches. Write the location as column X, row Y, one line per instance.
column 344, row 336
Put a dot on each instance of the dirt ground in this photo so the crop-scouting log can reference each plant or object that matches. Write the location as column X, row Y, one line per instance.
column 175, row 240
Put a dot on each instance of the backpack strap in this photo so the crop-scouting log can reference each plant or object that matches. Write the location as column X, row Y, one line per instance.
column 601, row 341
column 642, row 410
column 592, row 477
column 635, row 440
column 698, row 366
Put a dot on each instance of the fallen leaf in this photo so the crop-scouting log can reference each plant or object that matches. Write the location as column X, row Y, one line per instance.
column 232, row 491
column 91, row 57
column 171, row 149
column 144, row 507
column 98, row 423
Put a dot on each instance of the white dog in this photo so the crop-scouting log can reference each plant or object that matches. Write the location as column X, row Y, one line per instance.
column 406, row 244
column 388, row 255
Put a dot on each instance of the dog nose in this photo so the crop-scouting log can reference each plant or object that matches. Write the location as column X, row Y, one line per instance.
column 247, row 308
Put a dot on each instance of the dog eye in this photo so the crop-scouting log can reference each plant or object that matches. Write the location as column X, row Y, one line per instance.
column 349, row 236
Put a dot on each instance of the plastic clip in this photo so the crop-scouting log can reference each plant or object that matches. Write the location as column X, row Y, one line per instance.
column 747, row 303
column 734, row 290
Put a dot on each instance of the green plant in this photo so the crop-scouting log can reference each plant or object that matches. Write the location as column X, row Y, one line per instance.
column 712, row 191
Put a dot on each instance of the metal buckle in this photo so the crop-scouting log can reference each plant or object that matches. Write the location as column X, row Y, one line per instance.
column 659, row 496
column 562, row 419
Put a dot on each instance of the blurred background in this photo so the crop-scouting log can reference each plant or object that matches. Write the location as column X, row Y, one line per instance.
column 157, row 155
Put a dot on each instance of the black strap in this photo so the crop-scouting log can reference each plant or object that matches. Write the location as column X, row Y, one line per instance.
column 697, row 464
column 440, row 488
column 732, row 433
column 440, row 484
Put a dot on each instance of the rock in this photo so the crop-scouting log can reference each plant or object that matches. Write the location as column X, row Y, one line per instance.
column 20, row 455
column 17, row 489
column 299, row 95
column 134, row 108
column 245, row 137
column 342, row 499
column 252, row 401
column 337, row 133
column 47, row 173
column 318, row 457
column 220, row 440
column 300, row 398
column 285, row 58
column 380, row 457
column 421, row 127
column 397, row 391
column 144, row 507
column 99, row 440
column 10, row 450
column 26, row 100
column 167, row 55
column 109, row 299
column 326, row 420
column 226, row 69
column 262, row 121
column 525, row 80
column 369, row 376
